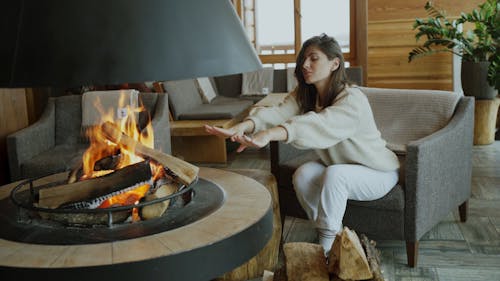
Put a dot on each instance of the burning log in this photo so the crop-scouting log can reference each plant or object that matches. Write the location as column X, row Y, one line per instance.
column 54, row 197
column 107, row 163
column 157, row 210
column 183, row 171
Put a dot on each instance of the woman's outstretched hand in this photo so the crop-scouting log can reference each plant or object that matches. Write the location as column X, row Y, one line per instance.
column 220, row 132
column 237, row 130
column 237, row 134
column 258, row 140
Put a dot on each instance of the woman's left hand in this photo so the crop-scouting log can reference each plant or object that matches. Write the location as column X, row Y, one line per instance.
column 258, row 140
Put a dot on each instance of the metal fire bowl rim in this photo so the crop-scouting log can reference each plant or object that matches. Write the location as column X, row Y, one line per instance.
column 247, row 211
column 26, row 205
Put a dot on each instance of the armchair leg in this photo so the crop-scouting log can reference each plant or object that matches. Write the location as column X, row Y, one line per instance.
column 412, row 253
column 462, row 210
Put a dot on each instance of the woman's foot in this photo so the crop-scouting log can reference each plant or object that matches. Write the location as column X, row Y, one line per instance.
column 326, row 238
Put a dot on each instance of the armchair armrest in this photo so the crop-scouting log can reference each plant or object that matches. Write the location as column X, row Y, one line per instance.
column 31, row 141
column 438, row 172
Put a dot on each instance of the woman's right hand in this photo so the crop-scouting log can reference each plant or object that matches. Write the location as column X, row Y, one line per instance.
column 237, row 130
column 220, row 132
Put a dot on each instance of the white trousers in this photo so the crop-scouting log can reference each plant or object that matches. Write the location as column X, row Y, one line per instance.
column 323, row 191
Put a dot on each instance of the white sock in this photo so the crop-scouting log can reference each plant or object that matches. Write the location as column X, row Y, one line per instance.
column 326, row 238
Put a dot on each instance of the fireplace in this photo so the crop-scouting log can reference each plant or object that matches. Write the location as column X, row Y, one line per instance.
column 231, row 232
column 71, row 226
column 22, row 222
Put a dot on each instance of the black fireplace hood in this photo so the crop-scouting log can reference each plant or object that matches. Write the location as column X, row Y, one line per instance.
column 93, row 42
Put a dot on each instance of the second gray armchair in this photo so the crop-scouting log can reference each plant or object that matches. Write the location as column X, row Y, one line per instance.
column 56, row 140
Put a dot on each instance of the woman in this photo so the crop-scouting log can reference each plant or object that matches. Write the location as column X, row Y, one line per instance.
column 327, row 114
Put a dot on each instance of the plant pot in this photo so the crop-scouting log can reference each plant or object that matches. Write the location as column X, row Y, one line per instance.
column 474, row 81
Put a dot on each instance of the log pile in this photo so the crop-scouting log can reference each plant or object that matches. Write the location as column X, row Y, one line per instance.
column 350, row 258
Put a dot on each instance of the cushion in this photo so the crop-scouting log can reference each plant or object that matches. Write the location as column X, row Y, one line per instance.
column 113, row 104
column 230, row 100
column 206, row 89
column 400, row 151
column 394, row 200
column 68, row 119
column 258, row 82
column 58, row 159
column 403, row 116
column 291, row 81
column 216, row 111
column 148, row 100
column 183, row 96
column 287, row 168
column 228, row 85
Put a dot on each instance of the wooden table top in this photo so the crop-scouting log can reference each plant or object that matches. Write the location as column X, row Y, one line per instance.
column 246, row 203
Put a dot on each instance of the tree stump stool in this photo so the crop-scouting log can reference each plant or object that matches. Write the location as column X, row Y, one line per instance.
column 485, row 118
column 267, row 258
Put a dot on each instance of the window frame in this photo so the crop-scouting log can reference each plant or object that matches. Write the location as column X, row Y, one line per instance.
column 291, row 58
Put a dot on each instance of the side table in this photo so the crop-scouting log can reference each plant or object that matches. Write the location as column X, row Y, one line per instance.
column 485, row 118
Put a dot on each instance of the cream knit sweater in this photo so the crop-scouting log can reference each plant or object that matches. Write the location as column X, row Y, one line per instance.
column 343, row 133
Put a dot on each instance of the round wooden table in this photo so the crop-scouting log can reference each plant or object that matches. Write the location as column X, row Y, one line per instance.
column 202, row 250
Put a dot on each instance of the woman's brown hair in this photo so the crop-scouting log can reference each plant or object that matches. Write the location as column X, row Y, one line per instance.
column 306, row 93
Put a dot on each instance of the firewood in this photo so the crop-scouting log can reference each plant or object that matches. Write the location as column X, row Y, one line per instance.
column 305, row 262
column 109, row 162
column 53, row 197
column 75, row 173
column 347, row 258
column 268, row 275
column 184, row 172
column 280, row 274
column 373, row 257
column 158, row 209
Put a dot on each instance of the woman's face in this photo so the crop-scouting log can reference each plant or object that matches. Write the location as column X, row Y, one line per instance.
column 317, row 67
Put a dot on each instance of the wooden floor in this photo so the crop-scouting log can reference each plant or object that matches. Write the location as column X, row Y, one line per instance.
column 451, row 251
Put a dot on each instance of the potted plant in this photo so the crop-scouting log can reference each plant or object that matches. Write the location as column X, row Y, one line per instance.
column 478, row 47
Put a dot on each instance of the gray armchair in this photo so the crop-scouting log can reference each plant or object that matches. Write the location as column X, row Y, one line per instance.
column 432, row 133
column 56, row 140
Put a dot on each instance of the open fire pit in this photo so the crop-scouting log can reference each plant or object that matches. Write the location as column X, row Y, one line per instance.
column 130, row 212
column 217, row 242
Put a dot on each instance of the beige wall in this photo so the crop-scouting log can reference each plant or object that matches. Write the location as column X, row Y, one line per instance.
column 391, row 37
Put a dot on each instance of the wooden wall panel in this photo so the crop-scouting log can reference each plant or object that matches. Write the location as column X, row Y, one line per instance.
column 391, row 37
column 13, row 117
column 383, row 10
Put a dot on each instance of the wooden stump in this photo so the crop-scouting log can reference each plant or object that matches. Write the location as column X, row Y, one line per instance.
column 305, row 261
column 267, row 258
column 351, row 258
column 485, row 117
column 347, row 258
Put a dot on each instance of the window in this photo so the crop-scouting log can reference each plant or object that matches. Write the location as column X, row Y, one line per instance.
column 326, row 16
column 277, row 28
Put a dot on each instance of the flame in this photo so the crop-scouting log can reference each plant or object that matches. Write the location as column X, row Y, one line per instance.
column 100, row 148
column 127, row 198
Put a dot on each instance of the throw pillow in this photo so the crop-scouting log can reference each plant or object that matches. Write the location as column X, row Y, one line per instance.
column 206, row 89
column 115, row 104
column 258, row 82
